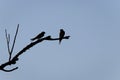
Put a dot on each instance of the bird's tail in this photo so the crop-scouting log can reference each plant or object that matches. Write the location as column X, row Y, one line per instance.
column 59, row 42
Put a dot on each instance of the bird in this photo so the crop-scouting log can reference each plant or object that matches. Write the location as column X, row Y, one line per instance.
column 48, row 38
column 40, row 35
column 61, row 35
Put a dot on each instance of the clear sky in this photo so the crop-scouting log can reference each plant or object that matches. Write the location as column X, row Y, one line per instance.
column 92, row 52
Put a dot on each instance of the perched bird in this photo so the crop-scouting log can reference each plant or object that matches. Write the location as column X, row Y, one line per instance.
column 38, row 36
column 61, row 35
column 48, row 38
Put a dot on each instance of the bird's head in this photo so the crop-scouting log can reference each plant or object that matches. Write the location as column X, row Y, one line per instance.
column 61, row 29
column 43, row 32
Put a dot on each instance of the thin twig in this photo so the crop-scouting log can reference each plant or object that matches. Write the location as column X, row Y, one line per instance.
column 14, row 39
column 8, row 41
column 9, row 38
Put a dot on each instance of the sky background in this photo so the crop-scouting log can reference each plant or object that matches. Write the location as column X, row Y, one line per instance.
column 91, row 53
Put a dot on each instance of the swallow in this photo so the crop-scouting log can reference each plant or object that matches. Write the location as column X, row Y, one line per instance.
column 38, row 36
column 48, row 38
column 61, row 35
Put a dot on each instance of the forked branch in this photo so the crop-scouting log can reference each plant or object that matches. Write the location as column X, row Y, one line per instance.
column 10, row 51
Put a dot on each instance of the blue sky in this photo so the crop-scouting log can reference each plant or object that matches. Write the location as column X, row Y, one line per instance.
column 92, row 52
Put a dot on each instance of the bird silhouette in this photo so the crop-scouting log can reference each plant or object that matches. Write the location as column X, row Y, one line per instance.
column 48, row 38
column 61, row 35
column 38, row 36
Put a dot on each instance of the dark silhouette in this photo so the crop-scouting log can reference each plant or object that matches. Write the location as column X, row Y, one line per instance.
column 48, row 38
column 38, row 36
column 61, row 35
column 14, row 59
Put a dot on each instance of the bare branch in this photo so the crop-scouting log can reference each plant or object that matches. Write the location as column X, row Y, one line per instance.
column 8, row 41
column 9, row 38
column 10, row 69
column 16, row 57
column 14, row 39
